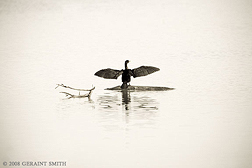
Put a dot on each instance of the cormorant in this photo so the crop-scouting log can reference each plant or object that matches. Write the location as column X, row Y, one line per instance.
column 126, row 73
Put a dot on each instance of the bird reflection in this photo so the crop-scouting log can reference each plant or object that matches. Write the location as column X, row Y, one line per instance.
column 126, row 98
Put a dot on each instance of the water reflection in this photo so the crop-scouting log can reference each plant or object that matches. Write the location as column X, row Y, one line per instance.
column 127, row 109
column 137, row 102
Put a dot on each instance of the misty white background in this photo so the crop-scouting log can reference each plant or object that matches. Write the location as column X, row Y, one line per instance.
column 203, row 49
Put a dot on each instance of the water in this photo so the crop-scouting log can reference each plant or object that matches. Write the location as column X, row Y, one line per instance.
column 202, row 48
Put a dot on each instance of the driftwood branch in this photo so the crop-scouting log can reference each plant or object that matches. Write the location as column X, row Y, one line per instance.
column 62, row 85
column 69, row 95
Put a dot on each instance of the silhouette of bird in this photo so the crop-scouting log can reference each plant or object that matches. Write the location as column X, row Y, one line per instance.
column 126, row 73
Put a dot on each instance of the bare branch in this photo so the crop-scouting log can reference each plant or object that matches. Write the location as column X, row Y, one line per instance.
column 76, row 96
column 62, row 85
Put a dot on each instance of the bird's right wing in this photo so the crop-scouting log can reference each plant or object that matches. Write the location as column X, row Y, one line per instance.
column 109, row 73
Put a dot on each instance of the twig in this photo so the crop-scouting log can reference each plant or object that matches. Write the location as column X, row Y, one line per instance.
column 76, row 96
column 62, row 85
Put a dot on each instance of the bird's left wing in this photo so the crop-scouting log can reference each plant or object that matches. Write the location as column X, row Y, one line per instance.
column 143, row 71
column 109, row 73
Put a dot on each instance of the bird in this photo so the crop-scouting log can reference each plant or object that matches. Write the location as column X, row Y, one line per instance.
column 126, row 73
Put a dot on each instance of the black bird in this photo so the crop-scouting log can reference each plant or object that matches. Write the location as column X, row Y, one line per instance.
column 126, row 73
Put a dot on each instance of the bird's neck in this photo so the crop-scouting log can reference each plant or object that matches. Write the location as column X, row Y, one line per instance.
column 126, row 66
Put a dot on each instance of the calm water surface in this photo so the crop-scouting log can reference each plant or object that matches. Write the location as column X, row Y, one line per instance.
column 202, row 48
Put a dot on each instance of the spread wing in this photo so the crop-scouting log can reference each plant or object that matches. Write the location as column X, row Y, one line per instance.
column 143, row 71
column 109, row 73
